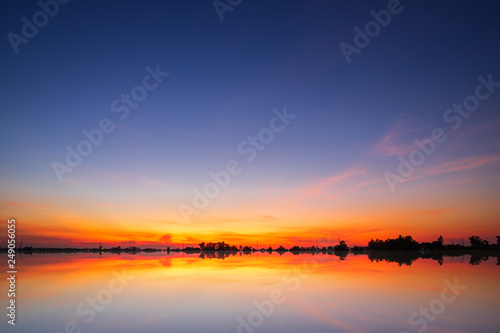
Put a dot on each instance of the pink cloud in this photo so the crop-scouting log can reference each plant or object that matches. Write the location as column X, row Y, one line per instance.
column 480, row 129
column 321, row 186
column 390, row 144
column 458, row 165
column 454, row 166
column 22, row 204
column 115, row 177
column 166, row 239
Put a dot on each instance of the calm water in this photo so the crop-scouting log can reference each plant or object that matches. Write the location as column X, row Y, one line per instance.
column 250, row 293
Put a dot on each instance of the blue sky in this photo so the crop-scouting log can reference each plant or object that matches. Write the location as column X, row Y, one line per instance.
column 225, row 79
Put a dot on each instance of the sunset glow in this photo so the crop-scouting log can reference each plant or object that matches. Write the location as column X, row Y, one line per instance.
column 149, row 146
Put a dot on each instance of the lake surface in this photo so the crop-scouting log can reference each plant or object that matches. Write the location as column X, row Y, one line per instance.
column 252, row 293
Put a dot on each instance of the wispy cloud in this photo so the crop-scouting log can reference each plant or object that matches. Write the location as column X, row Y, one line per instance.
column 323, row 185
column 166, row 239
column 24, row 204
column 392, row 143
column 456, row 165
column 492, row 126
column 115, row 178
column 430, row 212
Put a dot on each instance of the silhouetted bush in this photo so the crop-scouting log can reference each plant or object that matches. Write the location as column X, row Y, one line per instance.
column 477, row 243
column 341, row 247
column 399, row 244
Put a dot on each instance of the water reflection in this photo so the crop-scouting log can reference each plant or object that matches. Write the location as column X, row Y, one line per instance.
column 407, row 258
column 400, row 257
column 261, row 292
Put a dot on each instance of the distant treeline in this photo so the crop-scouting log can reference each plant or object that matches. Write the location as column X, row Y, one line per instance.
column 407, row 243
column 400, row 243
column 118, row 249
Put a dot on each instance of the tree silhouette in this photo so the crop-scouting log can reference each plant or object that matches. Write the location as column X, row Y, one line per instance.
column 341, row 247
column 397, row 244
column 477, row 242
column 281, row 250
column 477, row 259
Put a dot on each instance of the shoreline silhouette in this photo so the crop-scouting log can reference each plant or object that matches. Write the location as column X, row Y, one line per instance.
column 401, row 249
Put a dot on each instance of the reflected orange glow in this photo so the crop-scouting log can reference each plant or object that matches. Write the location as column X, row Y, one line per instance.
column 337, row 293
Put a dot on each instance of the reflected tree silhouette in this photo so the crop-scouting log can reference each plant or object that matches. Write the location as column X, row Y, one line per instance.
column 341, row 254
column 477, row 259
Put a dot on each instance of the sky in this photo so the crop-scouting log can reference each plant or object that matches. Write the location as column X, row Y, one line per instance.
column 278, row 122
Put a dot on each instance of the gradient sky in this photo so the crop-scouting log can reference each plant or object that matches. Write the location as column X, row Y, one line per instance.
column 322, row 176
